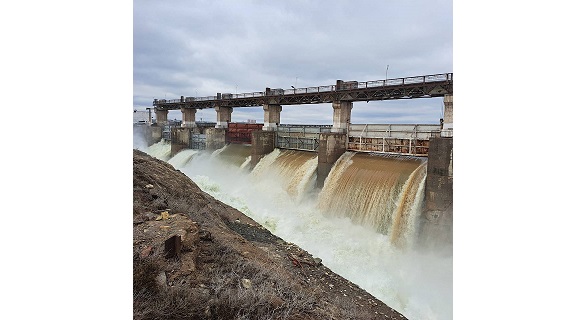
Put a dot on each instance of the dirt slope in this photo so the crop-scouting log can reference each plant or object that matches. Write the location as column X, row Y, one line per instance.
column 197, row 258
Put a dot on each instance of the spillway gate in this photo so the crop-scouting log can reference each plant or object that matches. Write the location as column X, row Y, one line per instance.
column 300, row 137
column 404, row 139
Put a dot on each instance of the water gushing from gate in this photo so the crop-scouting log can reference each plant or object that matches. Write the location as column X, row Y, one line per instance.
column 362, row 224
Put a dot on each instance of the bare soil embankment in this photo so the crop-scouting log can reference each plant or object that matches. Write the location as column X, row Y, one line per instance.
column 197, row 258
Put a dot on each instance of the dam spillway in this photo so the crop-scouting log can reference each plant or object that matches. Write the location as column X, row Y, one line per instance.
column 337, row 223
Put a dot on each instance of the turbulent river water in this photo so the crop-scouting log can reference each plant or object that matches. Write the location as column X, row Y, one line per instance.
column 362, row 223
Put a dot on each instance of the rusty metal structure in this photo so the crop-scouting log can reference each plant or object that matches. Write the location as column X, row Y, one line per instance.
column 241, row 132
column 427, row 86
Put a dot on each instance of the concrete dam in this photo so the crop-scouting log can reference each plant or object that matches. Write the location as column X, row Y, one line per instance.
column 373, row 201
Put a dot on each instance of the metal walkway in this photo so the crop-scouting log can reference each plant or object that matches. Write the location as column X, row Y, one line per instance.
column 428, row 86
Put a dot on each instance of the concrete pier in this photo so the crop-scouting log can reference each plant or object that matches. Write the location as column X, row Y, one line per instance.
column 161, row 117
column 180, row 139
column 223, row 116
column 331, row 147
column 188, row 117
column 215, row 138
column 262, row 143
column 437, row 222
column 447, row 129
column 271, row 116
column 341, row 115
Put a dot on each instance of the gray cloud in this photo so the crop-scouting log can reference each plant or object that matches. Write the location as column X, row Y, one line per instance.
column 204, row 47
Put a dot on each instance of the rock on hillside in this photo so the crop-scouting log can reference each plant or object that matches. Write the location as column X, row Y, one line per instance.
column 197, row 258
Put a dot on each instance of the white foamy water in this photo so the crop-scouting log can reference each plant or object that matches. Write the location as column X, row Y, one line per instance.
column 278, row 195
column 160, row 150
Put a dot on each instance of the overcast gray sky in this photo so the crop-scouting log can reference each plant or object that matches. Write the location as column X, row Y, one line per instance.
column 199, row 48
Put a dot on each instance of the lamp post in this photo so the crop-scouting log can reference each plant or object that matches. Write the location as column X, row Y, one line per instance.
column 386, row 74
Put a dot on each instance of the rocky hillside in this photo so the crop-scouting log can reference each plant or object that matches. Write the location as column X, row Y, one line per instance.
column 197, row 258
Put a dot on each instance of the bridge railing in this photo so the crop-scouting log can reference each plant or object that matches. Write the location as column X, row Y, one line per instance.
column 248, row 95
column 399, row 81
column 190, row 99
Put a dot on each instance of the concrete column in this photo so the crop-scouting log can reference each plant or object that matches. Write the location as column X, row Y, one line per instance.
column 188, row 117
column 180, row 140
column 223, row 116
column 437, row 220
column 150, row 119
column 161, row 117
column 271, row 116
column 262, row 143
column 215, row 138
column 331, row 147
column 341, row 115
column 447, row 129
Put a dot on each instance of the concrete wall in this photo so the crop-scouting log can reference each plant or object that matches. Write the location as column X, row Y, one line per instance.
column 437, row 222
column 262, row 143
column 154, row 134
column 151, row 134
column 180, row 140
column 215, row 138
column 331, row 147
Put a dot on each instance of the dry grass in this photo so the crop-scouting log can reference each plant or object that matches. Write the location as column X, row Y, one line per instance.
column 271, row 296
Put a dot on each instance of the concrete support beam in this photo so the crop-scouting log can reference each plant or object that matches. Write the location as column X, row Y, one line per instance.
column 223, row 116
column 180, row 139
column 331, row 147
column 215, row 138
column 437, row 221
column 161, row 117
column 262, row 143
column 271, row 116
column 447, row 128
column 188, row 117
column 341, row 115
